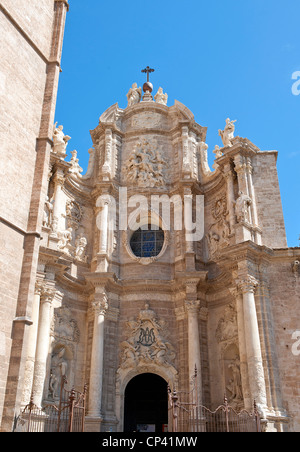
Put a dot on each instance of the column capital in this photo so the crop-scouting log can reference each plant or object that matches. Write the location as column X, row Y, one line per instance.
column 59, row 178
column 39, row 286
column 193, row 306
column 65, row 2
column 247, row 284
column 227, row 171
column 240, row 164
column 100, row 306
column 47, row 294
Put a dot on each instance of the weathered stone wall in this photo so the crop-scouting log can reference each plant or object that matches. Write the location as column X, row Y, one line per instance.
column 284, row 291
column 268, row 199
column 26, row 33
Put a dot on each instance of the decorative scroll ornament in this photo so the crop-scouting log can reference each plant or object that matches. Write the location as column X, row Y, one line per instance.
column 146, row 167
column 146, row 345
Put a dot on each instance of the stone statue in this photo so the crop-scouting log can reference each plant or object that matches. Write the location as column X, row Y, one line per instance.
column 75, row 167
column 65, row 238
column 242, row 208
column 80, row 244
column 235, row 384
column 60, row 141
column 48, row 209
column 227, row 134
column 217, row 151
column 160, row 97
column 59, row 368
column 134, row 95
column 296, row 266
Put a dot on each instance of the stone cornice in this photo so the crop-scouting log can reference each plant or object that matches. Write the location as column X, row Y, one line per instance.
column 246, row 251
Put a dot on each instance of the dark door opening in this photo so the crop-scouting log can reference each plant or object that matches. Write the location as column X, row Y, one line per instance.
column 146, row 404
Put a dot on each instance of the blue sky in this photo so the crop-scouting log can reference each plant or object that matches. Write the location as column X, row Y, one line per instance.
column 232, row 58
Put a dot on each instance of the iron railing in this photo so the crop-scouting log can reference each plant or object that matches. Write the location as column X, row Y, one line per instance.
column 67, row 416
column 187, row 415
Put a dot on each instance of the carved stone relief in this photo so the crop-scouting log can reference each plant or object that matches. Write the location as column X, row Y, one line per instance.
column 146, row 120
column 219, row 233
column 73, row 214
column 64, row 327
column 227, row 327
column 146, row 344
column 146, row 167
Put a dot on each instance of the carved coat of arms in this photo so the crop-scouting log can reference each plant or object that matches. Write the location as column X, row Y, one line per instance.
column 146, row 344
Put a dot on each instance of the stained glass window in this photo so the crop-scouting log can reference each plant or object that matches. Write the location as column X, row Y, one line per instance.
column 147, row 243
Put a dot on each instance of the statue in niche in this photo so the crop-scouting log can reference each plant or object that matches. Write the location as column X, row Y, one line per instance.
column 80, row 248
column 48, row 210
column 242, row 205
column 59, row 367
column 234, row 385
column 60, row 141
column 134, row 95
column 227, row 135
column 213, row 240
column 160, row 97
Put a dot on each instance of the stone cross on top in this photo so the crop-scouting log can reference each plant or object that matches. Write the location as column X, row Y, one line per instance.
column 148, row 71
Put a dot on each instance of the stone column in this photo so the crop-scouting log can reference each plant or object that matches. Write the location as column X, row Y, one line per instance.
column 244, row 232
column 32, row 344
column 253, row 207
column 105, row 222
column 43, row 340
column 186, row 164
column 99, row 307
column 104, row 228
column 194, row 344
column 240, row 168
column 242, row 348
column 59, row 180
column 247, row 288
column 106, row 169
column 228, row 174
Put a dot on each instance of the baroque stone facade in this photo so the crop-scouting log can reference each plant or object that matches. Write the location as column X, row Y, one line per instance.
column 108, row 301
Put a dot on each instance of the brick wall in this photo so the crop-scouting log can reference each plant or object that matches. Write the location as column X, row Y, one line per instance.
column 26, row 33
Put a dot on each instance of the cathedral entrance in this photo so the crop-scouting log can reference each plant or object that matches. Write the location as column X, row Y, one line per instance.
column 146, row 404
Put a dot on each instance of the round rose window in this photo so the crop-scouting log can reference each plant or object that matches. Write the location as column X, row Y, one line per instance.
column 147, row 243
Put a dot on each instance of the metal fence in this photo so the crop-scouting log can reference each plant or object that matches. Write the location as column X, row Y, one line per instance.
column 189, row 416
column 66, row 416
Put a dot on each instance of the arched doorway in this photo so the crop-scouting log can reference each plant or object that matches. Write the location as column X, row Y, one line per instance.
column 146, row 404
